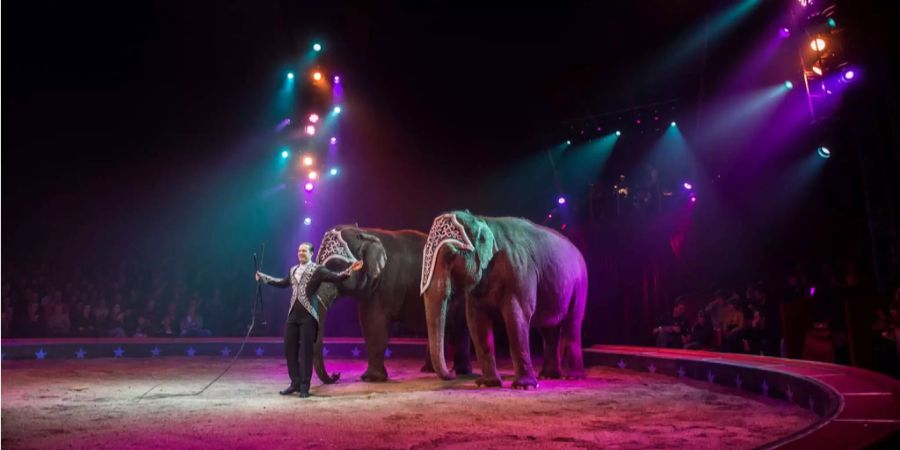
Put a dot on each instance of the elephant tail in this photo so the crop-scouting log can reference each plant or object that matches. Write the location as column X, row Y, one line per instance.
column 319, row 364
column 318, row 359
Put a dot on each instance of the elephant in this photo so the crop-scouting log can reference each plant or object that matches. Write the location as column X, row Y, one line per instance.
column 386, row 290
column 530, row 274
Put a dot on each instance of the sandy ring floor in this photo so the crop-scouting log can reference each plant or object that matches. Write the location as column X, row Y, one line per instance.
column 94, row 404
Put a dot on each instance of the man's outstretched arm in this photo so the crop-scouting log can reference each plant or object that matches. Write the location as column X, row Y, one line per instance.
column 272, row 281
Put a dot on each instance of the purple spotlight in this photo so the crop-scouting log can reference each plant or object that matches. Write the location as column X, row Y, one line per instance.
column 784, row 32
column 337, row 79
column 308, row 187
column 693, row 199
column 561, row 200
column 688, row 186
column 848, row 76
column 334, row 140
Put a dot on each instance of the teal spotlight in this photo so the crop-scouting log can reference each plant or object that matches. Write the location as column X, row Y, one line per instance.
column 831, row 22
column 337, row 109
column 824, row 152
column 285, row 154
column 673, row 124
column 333, row 171
column 618, row 133
column 317, row 47
column 290, row 75
column 788, row 84
column 568, row 142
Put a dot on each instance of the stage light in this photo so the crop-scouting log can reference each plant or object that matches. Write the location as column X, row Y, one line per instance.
column 561, row 200
column 673, row 124
column 317, row 47
column 285, row 153
column 309, row 187
column 817, row 44
column 317, row 76
column 307, row 221
column 333, row 171
column 337, row 79
column 831, row 23
column 824, row 152
column 788, row 84
column 568, row 142
column 693, row 199
column 310, row 130
column 334, row 140
column 313, row 118
column 337, row 109
column 307, row 161
column 618, row 133
column 313, row 175
column 290, row 75
column 687, row 185
column 848, row 75
column 817, row 70
column 785, row 32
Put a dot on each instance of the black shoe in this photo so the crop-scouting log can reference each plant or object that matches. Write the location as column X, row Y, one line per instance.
column 305, row 395
column 290, row 390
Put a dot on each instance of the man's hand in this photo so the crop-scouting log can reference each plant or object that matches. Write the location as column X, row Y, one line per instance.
column 257, row 275
column 356, row 266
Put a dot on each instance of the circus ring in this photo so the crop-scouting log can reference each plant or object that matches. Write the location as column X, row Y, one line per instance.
column 108, row 393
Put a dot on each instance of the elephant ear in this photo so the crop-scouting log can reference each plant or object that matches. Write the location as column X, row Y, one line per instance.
column 485, row 246
column 373, row 255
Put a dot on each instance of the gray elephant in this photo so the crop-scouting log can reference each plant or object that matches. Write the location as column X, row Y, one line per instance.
column 387, row 290
column 530, row 274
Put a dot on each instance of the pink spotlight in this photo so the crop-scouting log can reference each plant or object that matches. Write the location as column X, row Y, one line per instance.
column 688, row 186
column 310, row 130
column 313, row 118
column 334, row 140
column 784, row 32
column 561, row 200
column 309, row 187
column 693, row 199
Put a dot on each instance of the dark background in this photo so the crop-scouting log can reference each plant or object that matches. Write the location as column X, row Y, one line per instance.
column 143, row 130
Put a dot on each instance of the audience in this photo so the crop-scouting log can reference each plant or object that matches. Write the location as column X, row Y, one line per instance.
column 672, row 329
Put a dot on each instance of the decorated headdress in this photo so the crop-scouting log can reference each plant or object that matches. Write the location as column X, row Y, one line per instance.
column 444, row 230
column 334, row 246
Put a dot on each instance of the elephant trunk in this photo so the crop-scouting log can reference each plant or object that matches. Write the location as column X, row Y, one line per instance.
column 436, row 302
column 326, row 298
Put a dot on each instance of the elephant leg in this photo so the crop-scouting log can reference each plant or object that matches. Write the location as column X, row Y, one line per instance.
column 573, row 359
column 517, row 325
column 427, row 367
column 481, row 329
column 462, row 355
column 551, row 353
column 375, row 328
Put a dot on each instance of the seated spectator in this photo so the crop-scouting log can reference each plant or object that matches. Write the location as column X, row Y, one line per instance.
column 167, row 327
column 192, row 323
column 736, row 325
column 716, row 310
column 671, row 329
column 142, row 328
column 32, row 324
column 754, row 338
column 770, row 311
column 115, row 326
column 701, row 335
column 58, row 324
column 84, row 324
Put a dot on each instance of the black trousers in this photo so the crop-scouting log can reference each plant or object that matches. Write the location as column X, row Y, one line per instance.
column 299, row 335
